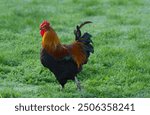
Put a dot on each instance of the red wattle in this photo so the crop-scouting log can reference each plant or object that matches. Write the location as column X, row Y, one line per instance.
column 42, row 32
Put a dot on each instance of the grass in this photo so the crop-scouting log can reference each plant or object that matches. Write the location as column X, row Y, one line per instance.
column 119, row 67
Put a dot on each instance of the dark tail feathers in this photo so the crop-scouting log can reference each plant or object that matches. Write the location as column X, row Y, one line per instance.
column 85, row 38
column 77, row 32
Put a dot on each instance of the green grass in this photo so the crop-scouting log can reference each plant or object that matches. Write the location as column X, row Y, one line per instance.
column 119, row 67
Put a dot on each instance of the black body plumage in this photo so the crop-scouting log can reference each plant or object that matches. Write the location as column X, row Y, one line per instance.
column 64, row 69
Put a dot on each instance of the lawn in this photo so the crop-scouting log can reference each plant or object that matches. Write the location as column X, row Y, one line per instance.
column 119, row 67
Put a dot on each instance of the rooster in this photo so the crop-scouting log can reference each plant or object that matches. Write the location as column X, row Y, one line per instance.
column 65, row 61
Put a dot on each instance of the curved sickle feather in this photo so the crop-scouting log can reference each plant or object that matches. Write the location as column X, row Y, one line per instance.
column 84, row 23
column 77, row 32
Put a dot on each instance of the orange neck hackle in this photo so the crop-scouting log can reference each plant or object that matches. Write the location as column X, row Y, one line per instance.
column 50, row 40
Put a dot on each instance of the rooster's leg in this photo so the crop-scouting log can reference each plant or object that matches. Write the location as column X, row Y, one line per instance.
column 78, row 84
column 61, row 88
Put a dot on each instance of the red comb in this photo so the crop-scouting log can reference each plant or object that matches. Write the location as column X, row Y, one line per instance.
column 44, row 23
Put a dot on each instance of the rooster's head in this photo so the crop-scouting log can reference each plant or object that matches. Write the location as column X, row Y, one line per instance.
column 44, row 26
